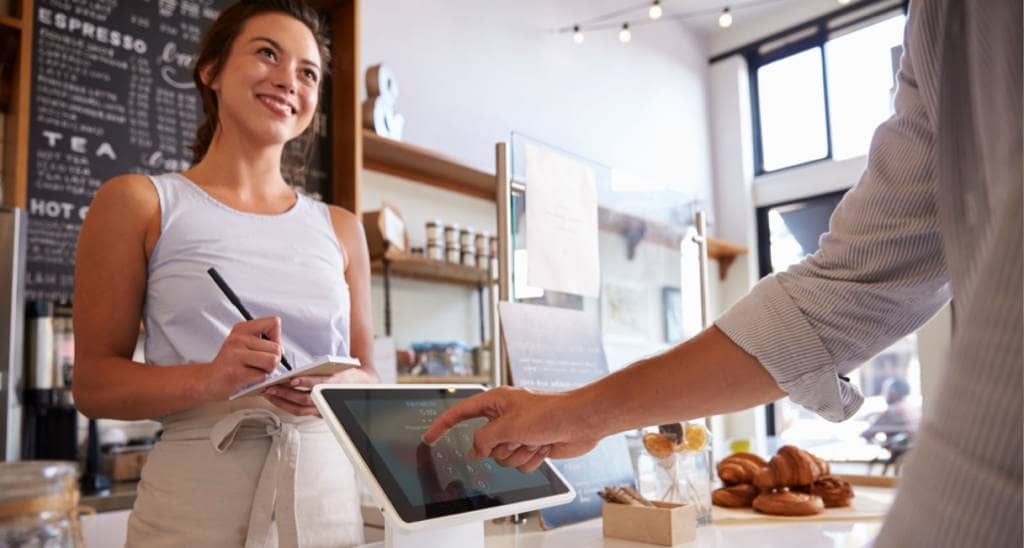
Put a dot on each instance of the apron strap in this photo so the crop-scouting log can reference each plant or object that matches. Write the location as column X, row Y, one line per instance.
column 274, row 500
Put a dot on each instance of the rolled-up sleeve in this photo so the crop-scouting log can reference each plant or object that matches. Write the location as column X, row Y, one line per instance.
column 878, row 275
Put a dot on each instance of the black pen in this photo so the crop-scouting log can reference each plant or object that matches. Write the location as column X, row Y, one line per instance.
column 238, row 304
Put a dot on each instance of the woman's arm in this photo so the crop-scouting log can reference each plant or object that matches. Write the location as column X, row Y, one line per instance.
column 116, row 239
column 357, row 275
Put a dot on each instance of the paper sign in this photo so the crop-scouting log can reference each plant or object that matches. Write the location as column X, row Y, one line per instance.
column 561, row 223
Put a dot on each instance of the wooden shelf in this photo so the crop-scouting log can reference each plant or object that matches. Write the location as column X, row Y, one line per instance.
column 425, row 166
column 444, row 379
column 725, row 253
column 417, row 267
column 9, row 22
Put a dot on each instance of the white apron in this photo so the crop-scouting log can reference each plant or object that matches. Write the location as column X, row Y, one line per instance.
column 245, row 473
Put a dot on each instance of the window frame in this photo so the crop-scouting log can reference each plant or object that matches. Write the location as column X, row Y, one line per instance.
column 798, row 39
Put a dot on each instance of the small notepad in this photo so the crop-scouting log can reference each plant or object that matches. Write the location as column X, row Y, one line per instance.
column 318, row 366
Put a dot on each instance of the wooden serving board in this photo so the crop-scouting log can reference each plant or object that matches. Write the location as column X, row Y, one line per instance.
column 869, row 503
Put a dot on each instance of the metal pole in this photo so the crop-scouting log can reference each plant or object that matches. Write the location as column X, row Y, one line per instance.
column 503, row 201
column 387, row 293
column 701, row 240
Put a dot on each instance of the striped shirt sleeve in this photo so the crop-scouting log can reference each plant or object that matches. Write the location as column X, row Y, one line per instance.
column 878, row 275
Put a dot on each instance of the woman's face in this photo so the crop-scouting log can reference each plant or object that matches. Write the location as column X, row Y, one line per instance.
column 268, row 87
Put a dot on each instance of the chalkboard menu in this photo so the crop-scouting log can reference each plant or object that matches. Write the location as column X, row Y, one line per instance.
column 112, row 93
column 556, row 349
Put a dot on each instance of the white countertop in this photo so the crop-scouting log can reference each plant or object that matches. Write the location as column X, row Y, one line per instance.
column 811, row 534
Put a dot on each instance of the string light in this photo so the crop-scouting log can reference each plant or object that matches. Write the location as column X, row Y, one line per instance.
column 725, row 19
column 655, row 12
column 624, row 35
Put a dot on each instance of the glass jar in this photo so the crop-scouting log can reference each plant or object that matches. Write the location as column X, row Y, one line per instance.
column 39, row 504
column 680, row 478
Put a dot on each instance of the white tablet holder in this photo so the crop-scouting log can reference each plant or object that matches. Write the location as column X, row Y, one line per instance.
column 466, row 535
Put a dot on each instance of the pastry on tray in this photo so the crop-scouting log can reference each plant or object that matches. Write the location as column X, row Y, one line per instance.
column 735, row 496
column 793, row 483
column 834, row 491
column 740, row 468
column 789, row 503
column 790, row 467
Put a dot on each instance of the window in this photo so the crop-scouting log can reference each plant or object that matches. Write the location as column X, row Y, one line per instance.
column 820, row 89
column 861, row 84
column 884, row 427
column 792, row 106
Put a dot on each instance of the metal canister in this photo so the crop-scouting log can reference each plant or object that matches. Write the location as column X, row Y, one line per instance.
column 451, row 235
column 453, row 254
column 434, row 233
column 483, row 253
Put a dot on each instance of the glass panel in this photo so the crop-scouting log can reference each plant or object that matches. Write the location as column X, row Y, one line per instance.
column 649, row 297
column 791, row 103
column 884, row 427
column 861, row 84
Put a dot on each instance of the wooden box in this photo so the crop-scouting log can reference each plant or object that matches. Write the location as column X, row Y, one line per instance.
column 666, row 524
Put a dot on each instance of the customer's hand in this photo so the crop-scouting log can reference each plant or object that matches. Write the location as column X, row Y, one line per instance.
column 524, row 427
column 294, row 396
column 244, row 358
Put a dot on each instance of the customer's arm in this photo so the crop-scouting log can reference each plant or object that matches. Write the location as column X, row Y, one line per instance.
column 705, row 375
column 880, row 274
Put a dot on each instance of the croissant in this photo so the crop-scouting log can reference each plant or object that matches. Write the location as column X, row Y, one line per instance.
column 791, row 466
column 734, row 496
column 740, row 468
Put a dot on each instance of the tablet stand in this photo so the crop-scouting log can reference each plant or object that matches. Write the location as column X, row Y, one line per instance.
column 466, row 535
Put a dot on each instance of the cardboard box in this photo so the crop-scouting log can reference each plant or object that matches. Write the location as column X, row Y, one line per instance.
column 666, row 523
column 384, row 228
column 128, row 465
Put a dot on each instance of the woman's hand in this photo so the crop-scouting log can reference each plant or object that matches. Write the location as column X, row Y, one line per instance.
column 245, row 358
column 294, row 395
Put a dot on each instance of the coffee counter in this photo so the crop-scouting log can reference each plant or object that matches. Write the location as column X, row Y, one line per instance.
column 107, row 529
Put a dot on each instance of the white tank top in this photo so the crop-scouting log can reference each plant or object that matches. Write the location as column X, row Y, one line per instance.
column 288, row 265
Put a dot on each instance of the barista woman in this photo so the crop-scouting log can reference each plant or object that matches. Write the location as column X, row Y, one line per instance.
column 260, row 470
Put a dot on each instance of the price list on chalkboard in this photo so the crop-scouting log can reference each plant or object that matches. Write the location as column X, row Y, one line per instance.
column 112, row 93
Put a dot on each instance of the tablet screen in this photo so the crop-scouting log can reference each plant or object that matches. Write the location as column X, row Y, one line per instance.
column 421, row 481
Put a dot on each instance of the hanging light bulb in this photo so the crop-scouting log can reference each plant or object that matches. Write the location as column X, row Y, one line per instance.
column 624, row 35
column 655, row 11
column 577, row 34
column 725, row 19
column 844, row 2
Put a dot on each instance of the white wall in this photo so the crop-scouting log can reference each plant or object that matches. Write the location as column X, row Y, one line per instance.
column 472, row 72
column 425, row 311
